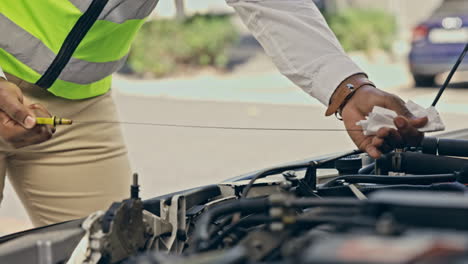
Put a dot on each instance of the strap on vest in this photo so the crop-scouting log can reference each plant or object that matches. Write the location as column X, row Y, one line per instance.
column 73, row 39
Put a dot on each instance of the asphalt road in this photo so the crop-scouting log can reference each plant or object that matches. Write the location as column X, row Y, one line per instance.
column 170, row 159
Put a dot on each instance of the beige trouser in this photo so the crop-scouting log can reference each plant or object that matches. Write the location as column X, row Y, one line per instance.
column 82, row 169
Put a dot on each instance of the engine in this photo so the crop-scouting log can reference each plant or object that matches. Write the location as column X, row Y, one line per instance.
column 410, row 206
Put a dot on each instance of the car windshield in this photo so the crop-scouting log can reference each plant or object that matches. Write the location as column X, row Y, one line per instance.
column 452, row 7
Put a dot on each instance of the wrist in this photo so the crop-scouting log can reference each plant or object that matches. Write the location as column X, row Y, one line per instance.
column 346, row 91
column 366, row 95
column 347, row 80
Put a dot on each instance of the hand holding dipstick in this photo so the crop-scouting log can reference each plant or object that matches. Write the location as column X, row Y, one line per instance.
column 53, row 121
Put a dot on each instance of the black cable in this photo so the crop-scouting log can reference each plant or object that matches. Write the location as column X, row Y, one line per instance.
column 249, row 221
column 334, row 202
column 394, row 180
column 369, row 169
column 345, row 191
column 262, row 205
column 221, row 225
column 273, row 171
column 308, row 221
column 450, row 76
column 244, row 205
column 354, row 221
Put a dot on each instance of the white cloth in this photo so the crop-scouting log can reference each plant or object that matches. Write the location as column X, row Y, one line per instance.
column 381, row 117
column 296, row 36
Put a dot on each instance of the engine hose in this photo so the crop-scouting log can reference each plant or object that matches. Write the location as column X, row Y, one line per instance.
column 303, row 221
column 248, row 206
column 252, row 220
column 445, row 147
column 440, row 187
column 421, row 164
column 394, row 180
column 368, row 169
column 345, row 191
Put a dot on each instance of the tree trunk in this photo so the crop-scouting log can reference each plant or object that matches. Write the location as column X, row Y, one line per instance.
column 180, row 9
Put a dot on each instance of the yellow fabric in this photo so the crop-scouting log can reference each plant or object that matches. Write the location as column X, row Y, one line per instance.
column 47, row 20
column 108, row 41
column 50, row 21
column 60, row 88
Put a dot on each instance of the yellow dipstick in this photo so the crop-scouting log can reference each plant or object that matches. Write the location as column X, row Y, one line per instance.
column 53, row 121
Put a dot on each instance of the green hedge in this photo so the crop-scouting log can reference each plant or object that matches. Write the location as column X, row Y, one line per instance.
column 364, row 29
column 165, row 47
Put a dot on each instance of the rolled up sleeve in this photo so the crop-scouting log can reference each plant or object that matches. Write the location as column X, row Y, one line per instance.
column 297, row 38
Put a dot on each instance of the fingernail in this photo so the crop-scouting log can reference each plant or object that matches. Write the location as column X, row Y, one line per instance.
column 29, row 122
column 400, row 123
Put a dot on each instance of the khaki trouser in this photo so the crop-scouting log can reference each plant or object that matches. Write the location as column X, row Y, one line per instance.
column 82, row 169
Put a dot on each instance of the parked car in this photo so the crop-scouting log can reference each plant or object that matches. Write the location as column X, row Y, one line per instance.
column 438, row 41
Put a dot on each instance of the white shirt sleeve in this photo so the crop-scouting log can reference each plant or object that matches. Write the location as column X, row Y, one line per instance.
column 297, row 37
column 2, row 74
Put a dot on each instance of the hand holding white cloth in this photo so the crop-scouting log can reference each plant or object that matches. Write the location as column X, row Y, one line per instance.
column 382, row 117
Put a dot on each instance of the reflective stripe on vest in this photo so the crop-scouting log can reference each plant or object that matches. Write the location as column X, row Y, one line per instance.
column 33, row 32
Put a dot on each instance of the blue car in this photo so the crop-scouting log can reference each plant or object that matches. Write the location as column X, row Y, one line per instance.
column 438, row 41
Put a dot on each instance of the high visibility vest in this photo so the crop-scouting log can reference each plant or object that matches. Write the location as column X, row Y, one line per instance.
column 32, row 33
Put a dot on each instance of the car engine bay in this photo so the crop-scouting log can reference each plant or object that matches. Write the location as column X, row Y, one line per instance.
column 410, row 206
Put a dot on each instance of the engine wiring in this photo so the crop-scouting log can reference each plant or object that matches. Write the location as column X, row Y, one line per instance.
column 268, row 172
column 258, row 205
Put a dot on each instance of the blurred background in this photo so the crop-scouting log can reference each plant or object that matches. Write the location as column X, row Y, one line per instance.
column 194, row 63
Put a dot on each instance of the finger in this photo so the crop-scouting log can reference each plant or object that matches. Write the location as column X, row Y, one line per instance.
column 42, row 133
column 383, row 132
column 404, row 127
column 386, row 148
column 373, row 152
column 11, row 104
column 419, row 122
column 398, row 105
column 411, row 135
column 41, row 111
column 36, row 135
column 378, row 142
column 390, row 137
column 350, row 117
column 4, row 118
column 395, row 140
